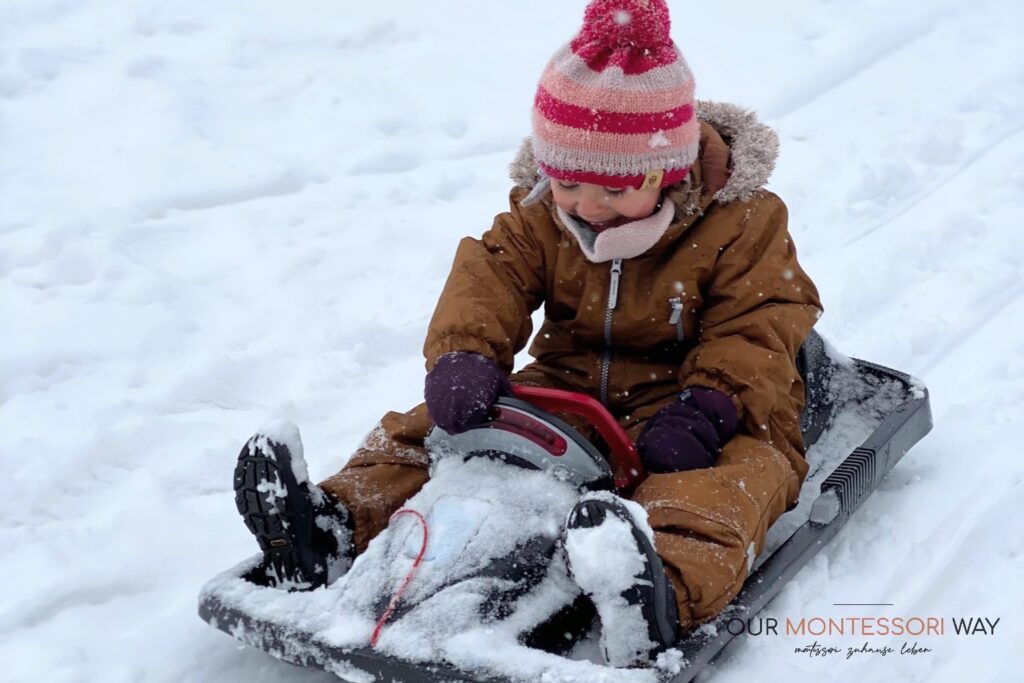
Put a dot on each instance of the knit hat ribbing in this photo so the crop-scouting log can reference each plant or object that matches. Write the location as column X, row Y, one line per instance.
column 615, row 105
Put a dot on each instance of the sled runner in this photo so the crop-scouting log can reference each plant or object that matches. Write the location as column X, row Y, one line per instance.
column 468, row 583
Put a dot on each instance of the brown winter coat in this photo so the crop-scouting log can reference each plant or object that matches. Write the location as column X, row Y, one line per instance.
column 728, row 262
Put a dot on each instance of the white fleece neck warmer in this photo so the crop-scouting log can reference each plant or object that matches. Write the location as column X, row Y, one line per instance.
column 625, row 241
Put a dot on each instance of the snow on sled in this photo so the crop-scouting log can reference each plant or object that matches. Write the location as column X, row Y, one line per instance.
column 468, row 583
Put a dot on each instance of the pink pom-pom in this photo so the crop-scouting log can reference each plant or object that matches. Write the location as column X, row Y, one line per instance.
column 615, row 24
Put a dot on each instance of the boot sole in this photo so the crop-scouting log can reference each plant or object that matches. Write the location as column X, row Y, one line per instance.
column 272, row 519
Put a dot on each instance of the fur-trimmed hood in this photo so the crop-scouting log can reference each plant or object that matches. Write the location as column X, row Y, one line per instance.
column 754, row 148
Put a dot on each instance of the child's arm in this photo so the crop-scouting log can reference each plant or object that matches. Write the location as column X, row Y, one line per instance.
column 496, row 282
column 760, row 308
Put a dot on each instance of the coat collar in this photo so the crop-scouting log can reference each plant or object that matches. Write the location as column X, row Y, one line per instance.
column 624, row 242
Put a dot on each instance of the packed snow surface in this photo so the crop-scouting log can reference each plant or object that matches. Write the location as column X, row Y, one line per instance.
column 215, row 214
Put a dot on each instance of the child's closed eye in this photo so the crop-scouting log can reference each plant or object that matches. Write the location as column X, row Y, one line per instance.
column 611, row 191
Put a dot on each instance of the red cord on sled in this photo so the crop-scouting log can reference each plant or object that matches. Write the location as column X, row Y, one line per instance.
column 408, row 577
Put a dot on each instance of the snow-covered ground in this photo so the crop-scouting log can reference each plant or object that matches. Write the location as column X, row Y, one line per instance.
column 212, row 212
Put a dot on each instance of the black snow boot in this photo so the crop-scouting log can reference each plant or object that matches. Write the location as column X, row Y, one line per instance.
column 305, row 536
column 611, row 557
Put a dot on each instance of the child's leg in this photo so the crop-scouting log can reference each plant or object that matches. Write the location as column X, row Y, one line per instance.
column 710, row 524
column 387, row 469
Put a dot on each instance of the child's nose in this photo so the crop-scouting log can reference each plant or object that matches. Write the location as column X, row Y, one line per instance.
column 590, row 206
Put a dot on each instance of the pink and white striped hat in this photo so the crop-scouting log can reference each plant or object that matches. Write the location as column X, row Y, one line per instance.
column 615, row 106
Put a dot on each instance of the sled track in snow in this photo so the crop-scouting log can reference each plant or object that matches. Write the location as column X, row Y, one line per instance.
column 896, row 39
column 976, row 157
column 982, row 316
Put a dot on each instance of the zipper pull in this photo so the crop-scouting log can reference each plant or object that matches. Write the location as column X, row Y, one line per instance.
column 613, row 291
column 677, row 311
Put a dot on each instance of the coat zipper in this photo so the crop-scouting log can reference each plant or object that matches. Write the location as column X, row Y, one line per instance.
column 613, row 300
column 677, row 317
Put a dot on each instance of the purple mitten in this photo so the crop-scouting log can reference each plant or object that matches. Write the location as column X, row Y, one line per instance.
column 690, row 434
column 461, row 389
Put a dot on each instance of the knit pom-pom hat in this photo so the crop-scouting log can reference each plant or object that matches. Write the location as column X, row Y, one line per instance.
column 615, row 105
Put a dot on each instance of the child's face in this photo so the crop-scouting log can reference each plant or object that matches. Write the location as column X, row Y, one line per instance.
column 604, row 207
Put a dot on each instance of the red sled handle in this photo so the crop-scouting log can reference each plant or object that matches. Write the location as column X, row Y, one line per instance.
column 626, row 463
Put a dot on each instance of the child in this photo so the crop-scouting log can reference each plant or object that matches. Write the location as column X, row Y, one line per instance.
column 672, row 293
